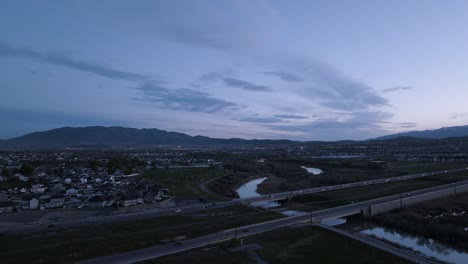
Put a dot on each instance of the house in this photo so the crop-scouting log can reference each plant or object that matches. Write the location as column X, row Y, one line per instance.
column 74, row 202
column 96, row 201
column 131, row 199
column 38, row 188
column 34, row 204
column 56, row 201
column 57, row 188
column 4, row 197
column 72, row 192
column 7, row 207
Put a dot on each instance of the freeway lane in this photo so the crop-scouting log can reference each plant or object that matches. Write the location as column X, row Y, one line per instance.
column 151, row 213
column 158, row 251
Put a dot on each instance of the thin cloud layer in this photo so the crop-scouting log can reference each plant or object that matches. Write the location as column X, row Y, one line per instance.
column 291, row 116
column 69, row 62
column 285, row 76
column 182, row 99
column 245, row 85
column 397, row 88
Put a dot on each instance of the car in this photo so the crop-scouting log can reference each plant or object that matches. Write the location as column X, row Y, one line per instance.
column 408, row 194
column 245, row 230
column 178, row 243
column 178, row 211
column 270, row 196
column 51, row 225
column 213, row 204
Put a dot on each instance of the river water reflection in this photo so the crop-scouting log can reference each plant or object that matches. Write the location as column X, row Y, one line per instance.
column 428, row 247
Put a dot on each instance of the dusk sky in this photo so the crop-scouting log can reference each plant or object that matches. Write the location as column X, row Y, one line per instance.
column 303, row 70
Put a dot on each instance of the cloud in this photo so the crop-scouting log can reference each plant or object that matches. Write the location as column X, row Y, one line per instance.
column 182, row 99
column 69, row 62
column 397, row 88
column 336, row 91
column 284, row 76
column 210, row 26
column 458, row 115
column 211, row 76
column 245, row 85
column 261, row 119
column 291, row 116
column 358, row 125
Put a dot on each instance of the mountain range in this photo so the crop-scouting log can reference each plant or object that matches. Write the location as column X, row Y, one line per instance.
column 445, row 132
column 98, row 136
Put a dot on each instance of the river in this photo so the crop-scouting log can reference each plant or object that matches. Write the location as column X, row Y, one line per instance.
column 249, row 190
column 428, row 247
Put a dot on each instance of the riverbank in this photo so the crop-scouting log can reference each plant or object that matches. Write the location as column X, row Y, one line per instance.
column 444, row 220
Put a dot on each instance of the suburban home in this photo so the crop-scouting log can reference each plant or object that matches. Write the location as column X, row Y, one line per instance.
column 34, row 204
column 96, row 201
column 72, row 192
column 56, row 201
column 7, row 207
column 131, row 199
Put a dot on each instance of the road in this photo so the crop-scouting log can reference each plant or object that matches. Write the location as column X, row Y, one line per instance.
column 158, row 212
column 158, row 251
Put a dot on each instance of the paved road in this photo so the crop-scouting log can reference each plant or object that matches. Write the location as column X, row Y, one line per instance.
column 158, row 212
column 158, row 251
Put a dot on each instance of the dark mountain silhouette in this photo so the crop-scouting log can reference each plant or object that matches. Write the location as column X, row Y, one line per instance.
column 99, row 136
column 445, row 132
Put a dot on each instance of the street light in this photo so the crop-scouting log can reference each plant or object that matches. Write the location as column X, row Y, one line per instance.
column 401, row 199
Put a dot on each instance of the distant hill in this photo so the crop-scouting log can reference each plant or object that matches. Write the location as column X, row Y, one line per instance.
column 98, row 136
column 445, row 132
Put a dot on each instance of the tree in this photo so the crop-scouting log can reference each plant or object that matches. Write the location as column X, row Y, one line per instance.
column 26, row 170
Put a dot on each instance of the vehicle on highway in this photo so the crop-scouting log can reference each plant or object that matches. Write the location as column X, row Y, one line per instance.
column 51, row 225
column 178, row 211
column 178, row 243
column 213, row 204
column 408, row 194
column 245, row 230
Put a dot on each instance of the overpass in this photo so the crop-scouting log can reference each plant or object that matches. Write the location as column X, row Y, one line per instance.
column 365, row 208
column 158, row 212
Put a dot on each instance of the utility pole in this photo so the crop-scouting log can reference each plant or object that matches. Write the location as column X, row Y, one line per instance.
column 401, row 199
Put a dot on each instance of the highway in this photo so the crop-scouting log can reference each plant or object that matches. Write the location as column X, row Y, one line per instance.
column 158, row 251
column 158, row 212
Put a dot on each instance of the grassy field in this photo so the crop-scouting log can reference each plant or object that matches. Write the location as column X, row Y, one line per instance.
column 426, row 167
column 441, row 219
column 314, row 245
column 289, row 245
column 211, row 255
column 347, row 196
column 185, row 183
column 65, row 246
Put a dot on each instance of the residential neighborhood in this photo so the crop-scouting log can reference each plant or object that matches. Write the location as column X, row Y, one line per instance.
column 42, row 181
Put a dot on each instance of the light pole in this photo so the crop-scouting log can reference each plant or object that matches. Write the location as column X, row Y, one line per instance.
column 401, row 199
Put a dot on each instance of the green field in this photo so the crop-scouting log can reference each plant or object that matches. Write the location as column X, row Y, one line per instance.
column 305, row 244
column 347, row 196
column 185, row 183
column 65, row 246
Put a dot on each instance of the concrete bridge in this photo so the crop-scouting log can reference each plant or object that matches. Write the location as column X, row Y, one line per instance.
column 385, row 204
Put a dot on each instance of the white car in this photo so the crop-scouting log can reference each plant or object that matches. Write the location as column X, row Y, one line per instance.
column 177, row 211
